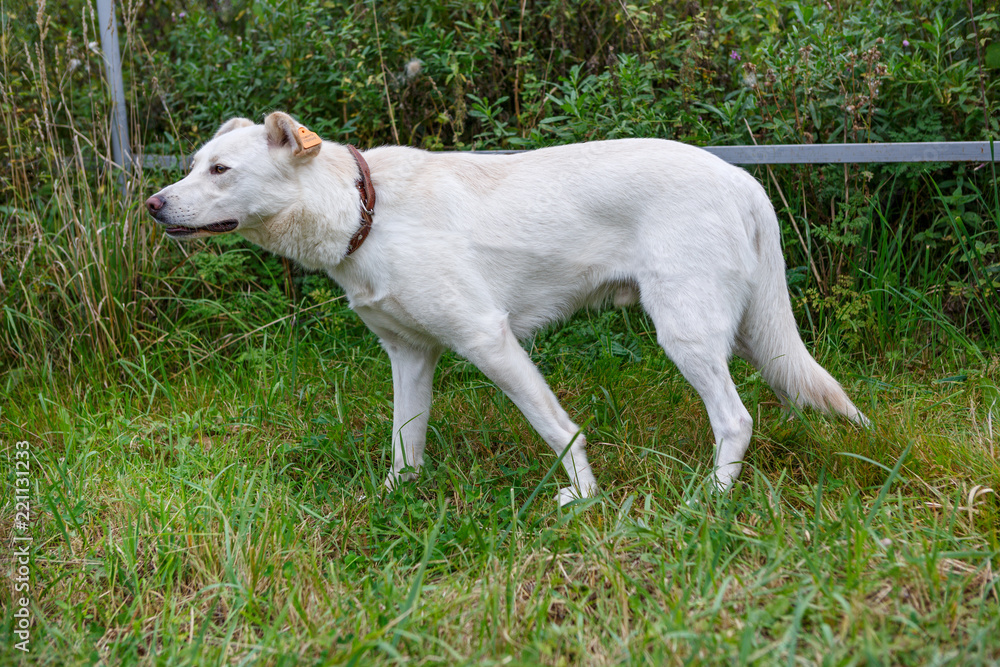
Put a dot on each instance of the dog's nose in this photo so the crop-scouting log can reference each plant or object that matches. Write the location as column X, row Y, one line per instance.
column 154, row 204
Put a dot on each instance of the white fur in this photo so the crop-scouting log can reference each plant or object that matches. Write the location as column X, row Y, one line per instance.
column 473, row 252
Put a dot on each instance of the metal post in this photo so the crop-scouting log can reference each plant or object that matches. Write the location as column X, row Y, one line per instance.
column 120, row 147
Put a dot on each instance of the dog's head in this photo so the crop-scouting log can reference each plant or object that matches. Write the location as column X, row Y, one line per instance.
column 238, row 180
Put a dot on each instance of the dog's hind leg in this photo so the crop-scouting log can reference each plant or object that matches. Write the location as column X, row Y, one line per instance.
column 696, row 325
column 497, row 353
column 412, row 378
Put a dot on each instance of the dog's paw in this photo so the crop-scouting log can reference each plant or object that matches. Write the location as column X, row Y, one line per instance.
column 725, row 477
column 568, row 494
column 394, row 479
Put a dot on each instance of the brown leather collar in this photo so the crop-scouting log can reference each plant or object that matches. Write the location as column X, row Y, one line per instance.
column 367, row 192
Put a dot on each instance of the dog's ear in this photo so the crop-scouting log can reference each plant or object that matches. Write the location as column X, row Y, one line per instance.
column 282, row 130
column 232, row 124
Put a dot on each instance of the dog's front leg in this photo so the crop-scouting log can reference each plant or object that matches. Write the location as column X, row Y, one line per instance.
column 498, row 354
column 412, row 376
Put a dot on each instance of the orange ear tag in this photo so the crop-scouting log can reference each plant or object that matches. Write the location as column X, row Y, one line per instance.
column 308, row 138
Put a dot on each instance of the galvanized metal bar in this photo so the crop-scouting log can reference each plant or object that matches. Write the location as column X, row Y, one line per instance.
column 164, row 162
column 939, row 151
column 120, row 148
column 932, row 151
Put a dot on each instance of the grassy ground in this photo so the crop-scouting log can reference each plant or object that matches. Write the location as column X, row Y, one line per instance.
column 231, row 509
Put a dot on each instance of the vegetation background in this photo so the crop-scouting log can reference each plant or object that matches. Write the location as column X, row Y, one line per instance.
column 209, row 425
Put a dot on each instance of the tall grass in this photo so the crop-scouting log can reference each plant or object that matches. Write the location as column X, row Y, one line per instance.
column 74, row 250
column 90, row 288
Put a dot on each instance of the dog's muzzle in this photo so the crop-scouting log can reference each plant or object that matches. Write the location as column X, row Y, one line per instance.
column 156, row 205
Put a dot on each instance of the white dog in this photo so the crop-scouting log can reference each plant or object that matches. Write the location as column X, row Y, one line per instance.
column 473, row 252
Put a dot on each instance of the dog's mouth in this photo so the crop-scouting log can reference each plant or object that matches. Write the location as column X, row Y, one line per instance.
column 214, row 228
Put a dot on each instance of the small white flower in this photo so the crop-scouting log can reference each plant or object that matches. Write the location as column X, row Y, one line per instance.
column 413, row 68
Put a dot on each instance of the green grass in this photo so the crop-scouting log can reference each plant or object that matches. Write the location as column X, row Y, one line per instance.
column 231, row 510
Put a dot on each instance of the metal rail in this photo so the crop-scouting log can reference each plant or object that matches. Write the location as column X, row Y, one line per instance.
column 936, row 151
column 933, row 151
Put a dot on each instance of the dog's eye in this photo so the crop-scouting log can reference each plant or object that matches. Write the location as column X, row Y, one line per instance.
column 218, row 169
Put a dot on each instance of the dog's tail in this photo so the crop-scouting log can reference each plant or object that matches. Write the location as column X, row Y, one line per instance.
column 769, row 336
